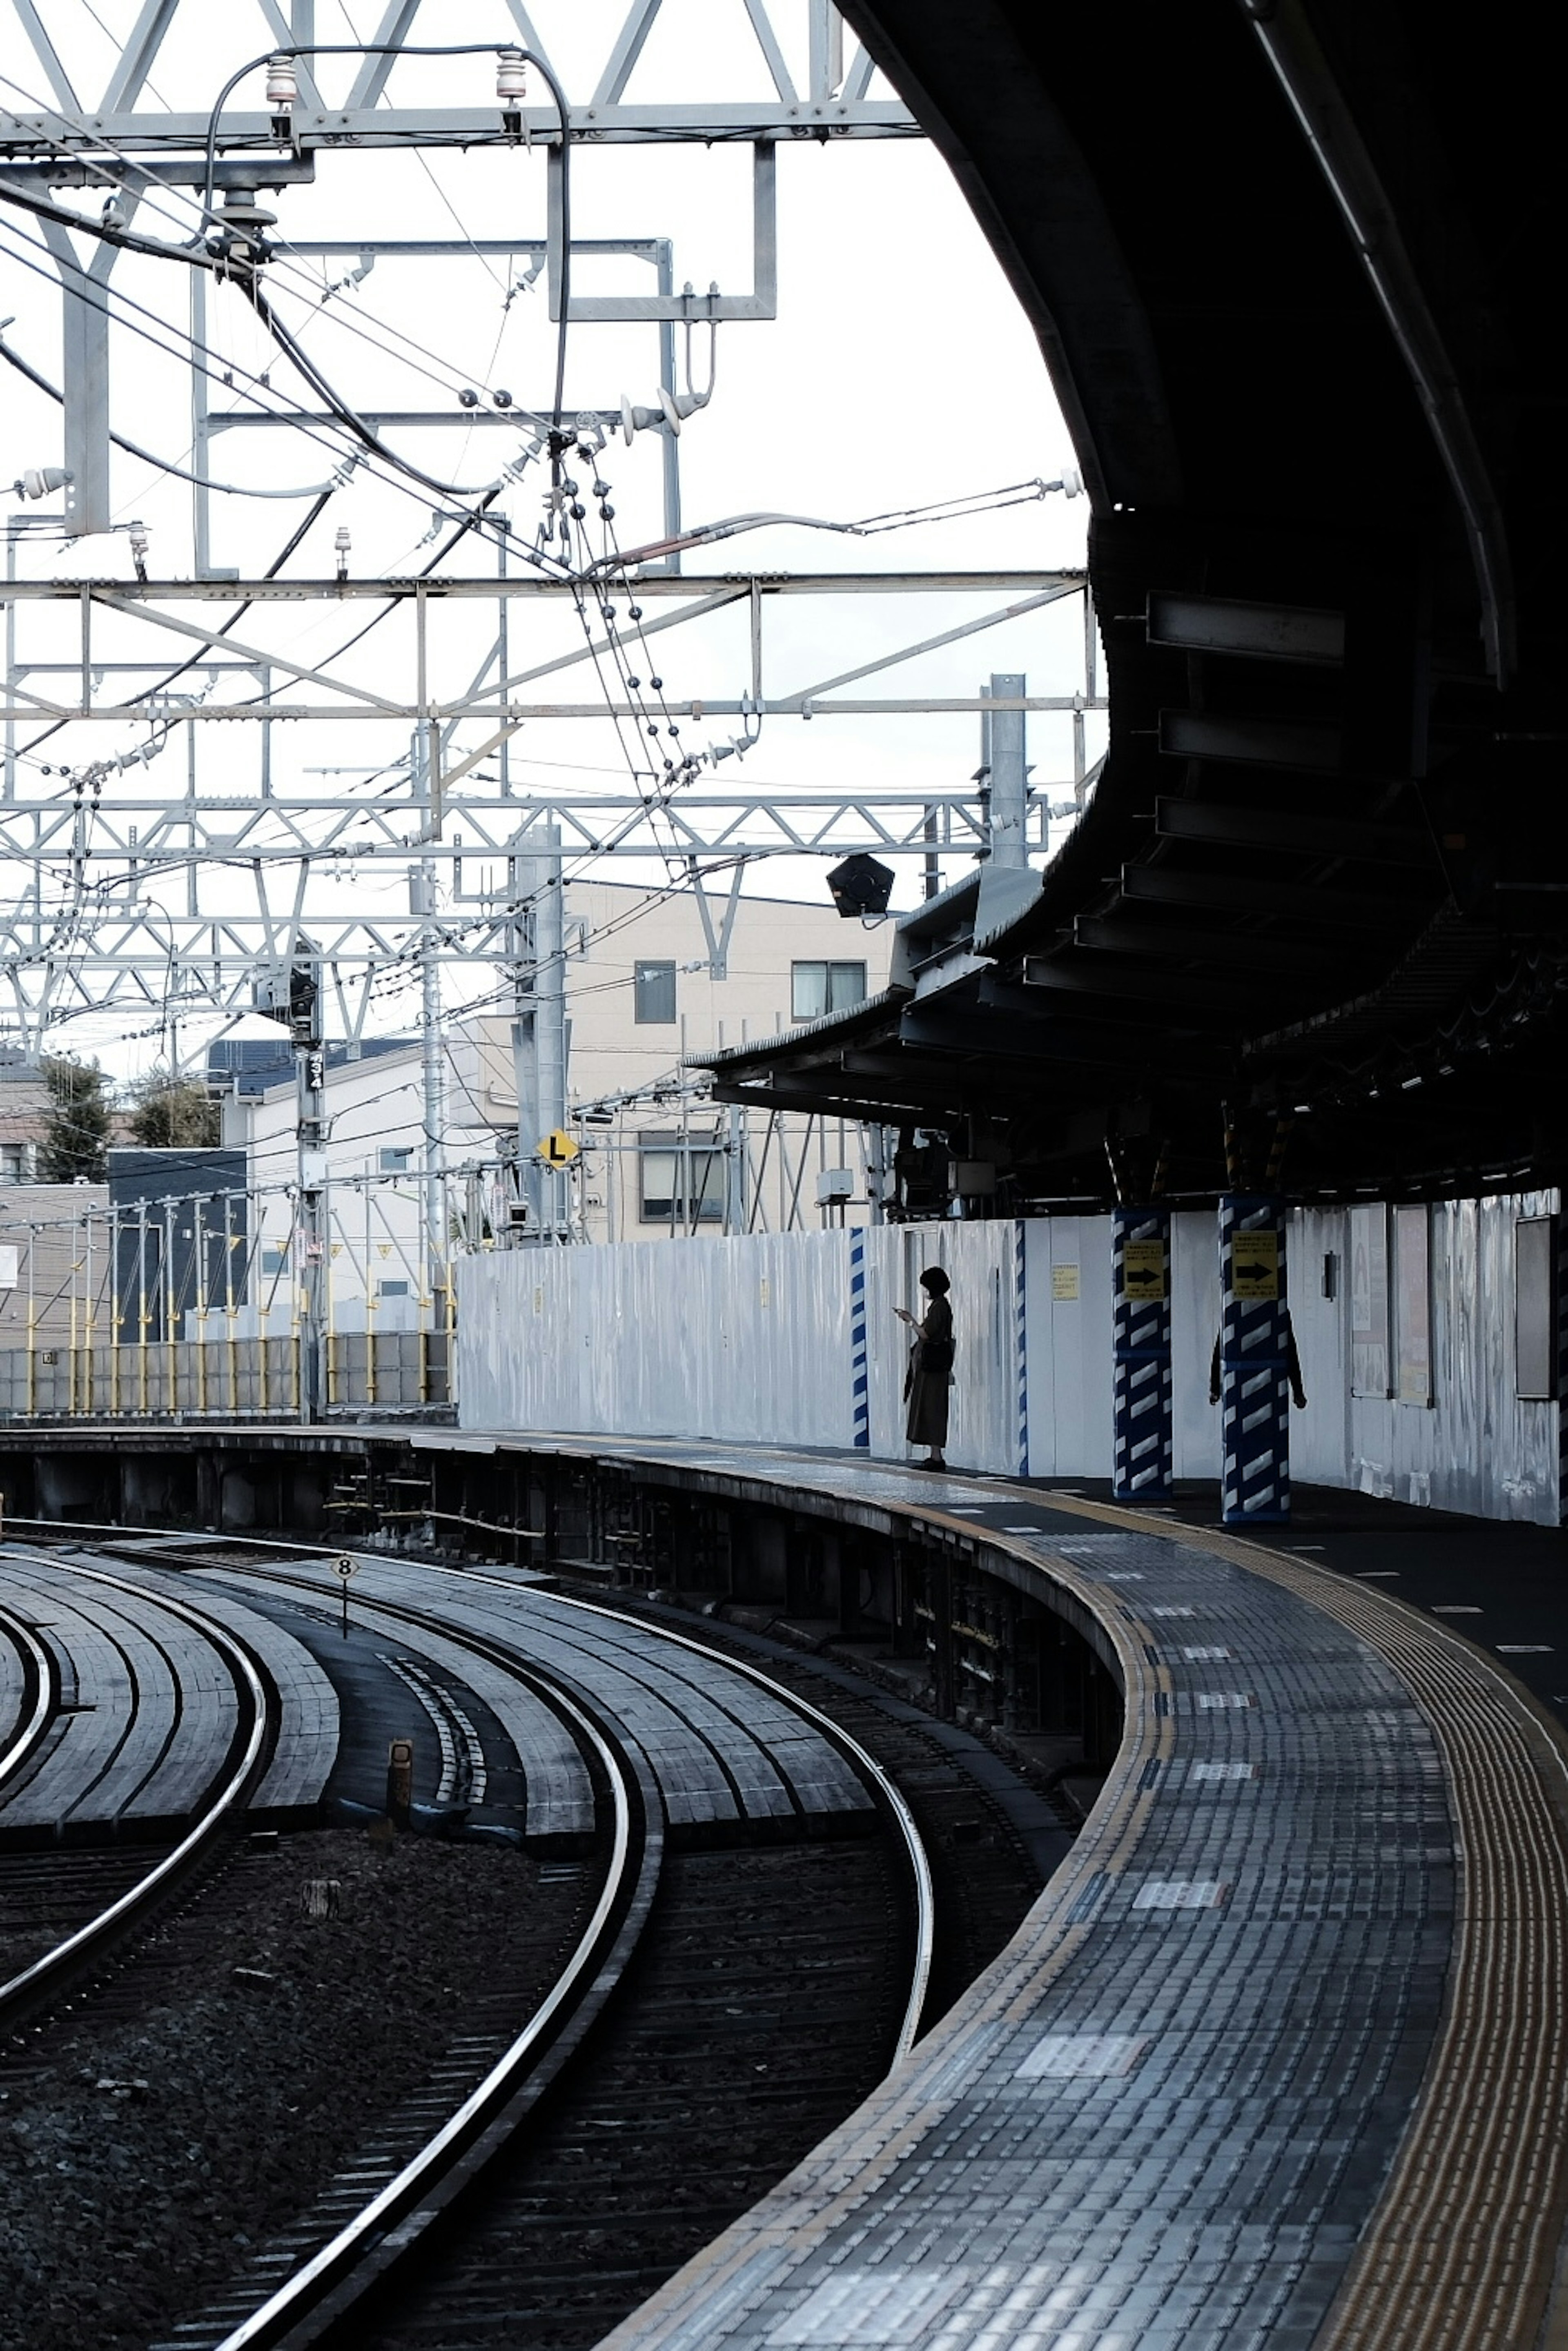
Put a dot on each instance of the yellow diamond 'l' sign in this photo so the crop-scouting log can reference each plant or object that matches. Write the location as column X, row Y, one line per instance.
column 558, row 1150
column 1255, row 1267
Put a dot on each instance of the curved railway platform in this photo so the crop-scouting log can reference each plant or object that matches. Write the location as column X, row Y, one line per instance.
column 1277, row 2059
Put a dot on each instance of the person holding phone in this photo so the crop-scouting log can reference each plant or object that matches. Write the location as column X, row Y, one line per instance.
column 929, row 1378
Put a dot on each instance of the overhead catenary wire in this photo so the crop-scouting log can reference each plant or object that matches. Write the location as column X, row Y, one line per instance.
column 206, row 361
column 280, row 250
column 161, row 464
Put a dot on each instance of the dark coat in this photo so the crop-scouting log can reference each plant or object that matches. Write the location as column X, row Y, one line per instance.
column 930, row 1377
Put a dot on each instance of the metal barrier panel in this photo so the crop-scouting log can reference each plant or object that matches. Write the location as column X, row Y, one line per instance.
column 1457, row 1433
column 751, row 1339
column 217, row 1379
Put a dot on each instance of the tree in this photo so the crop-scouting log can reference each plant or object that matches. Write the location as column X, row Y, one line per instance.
column 174, row 1114
column 76, row 1128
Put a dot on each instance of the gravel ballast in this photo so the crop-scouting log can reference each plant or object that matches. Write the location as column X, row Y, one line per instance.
column 197, row 2102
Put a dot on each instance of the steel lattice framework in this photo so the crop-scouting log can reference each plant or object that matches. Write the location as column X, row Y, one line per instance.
column 127, row 893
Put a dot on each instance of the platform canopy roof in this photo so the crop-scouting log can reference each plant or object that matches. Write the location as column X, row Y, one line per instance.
column 1289, row 267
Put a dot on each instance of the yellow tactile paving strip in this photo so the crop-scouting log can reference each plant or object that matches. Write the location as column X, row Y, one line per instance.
column 1462, row 2248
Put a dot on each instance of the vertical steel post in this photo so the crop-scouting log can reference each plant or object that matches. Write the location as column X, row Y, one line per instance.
column 370, row 1310
column 431, row 1045
column 201, row 438
column 90, row 1331
column 170, row 1307
column 735, row 1170
column 231, row 1343
column 550, row 933
column 539, row 1027
column 1009, row 780
column 32, row 1324
column 144, row 1314
column 13, row 524
column 1141, row 1462
column 116, row 1311
column 309, row 1236
column 1254, row 1361
column 199, row 1246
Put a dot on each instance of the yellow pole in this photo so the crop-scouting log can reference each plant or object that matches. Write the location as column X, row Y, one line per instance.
column 91, row 1329
column 231, row 1343
column 116, row 1318
column 199, row 1244
column 143, row 1317
column 172, row 1402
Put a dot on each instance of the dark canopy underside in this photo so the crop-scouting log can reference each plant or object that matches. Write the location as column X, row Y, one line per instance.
column 1325, row 869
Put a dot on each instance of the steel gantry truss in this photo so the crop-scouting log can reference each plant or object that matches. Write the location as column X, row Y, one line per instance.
column 145, row 887
column 93, row 854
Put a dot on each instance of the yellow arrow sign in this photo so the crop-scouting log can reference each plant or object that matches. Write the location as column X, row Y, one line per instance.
column 1255, row 1265
column 1143, row 1268
column 558, row 1150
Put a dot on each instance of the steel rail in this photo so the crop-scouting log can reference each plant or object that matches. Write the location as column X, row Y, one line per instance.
column 48, row 1976
column 46, row 1695
column 316, row 2295
column 904, row 1819
column 893, row 1801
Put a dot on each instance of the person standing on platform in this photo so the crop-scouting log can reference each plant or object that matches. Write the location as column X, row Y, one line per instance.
column 930, row 1375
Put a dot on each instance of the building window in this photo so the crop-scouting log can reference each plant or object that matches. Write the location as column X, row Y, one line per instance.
column 654, row 989
column 16, row 1162
column 816, row 988
column 274, row 1260
column 392, row 1290
column 395, row 1159
column 664, row 1194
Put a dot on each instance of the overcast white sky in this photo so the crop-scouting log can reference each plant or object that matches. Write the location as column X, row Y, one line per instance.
column 898, row 372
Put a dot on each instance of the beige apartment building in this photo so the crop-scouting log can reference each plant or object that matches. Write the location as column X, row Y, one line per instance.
column 649, row 982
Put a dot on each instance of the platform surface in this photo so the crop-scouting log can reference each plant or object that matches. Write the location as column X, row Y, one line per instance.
column 1279, row 2058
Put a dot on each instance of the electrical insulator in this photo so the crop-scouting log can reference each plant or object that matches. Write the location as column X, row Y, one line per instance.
column 511, row 79
column 39, row 480
column 282, row 85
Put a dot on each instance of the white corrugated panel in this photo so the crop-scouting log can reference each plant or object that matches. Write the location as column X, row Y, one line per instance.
column 745, row 1338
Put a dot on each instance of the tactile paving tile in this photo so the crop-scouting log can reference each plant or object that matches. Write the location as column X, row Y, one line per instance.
column 1164, row 2117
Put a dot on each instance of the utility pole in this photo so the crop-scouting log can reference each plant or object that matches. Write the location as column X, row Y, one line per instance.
column 310, row 1221
column 539, row 1027
column 431, row 1050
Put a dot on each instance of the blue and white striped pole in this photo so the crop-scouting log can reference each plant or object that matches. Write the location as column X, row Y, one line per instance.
column 860, row 1393
column 1020, row 1343
column 1254, row 1361
column 1141, row 1456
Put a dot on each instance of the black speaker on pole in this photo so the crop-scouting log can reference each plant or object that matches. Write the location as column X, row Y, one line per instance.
column 861, row 885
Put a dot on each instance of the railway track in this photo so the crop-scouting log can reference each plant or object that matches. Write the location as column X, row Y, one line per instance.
column 688, row 2096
